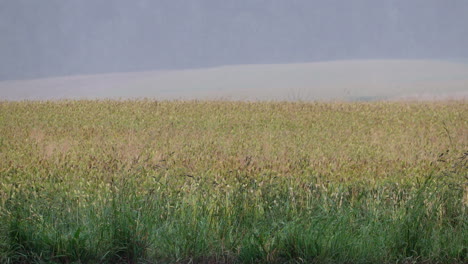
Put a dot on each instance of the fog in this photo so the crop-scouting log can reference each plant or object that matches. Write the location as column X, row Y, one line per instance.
column 52, row 38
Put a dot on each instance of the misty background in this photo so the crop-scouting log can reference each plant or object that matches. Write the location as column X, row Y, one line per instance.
column 57, row 37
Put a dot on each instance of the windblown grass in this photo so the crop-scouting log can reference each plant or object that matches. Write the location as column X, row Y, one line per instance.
column 228, row 182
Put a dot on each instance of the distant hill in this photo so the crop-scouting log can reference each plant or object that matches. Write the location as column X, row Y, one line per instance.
column 361, row 80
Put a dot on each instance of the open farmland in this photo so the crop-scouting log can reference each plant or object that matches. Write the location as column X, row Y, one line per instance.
column 345, row 80
column 233, row 182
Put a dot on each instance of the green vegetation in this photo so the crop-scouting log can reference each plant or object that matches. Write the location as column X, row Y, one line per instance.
column 233, row 182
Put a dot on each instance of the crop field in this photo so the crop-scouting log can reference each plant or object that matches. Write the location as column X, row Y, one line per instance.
column 146, row 181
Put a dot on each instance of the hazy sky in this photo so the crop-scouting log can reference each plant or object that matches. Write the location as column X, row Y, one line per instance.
column 40, row 38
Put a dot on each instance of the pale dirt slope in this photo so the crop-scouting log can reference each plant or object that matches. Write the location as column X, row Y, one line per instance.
column 335, row 80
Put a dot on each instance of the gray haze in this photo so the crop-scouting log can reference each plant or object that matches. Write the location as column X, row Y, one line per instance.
column 42, row 38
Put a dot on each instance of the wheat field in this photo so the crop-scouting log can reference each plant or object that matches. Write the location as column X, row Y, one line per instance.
column 144, row 181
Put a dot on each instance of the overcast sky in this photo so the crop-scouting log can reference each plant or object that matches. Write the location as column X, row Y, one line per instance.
column 41, row 38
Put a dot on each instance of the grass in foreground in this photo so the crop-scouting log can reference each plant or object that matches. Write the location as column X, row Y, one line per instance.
column 151, row 182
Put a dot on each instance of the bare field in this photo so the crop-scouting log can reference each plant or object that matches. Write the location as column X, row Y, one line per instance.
column 324, row 81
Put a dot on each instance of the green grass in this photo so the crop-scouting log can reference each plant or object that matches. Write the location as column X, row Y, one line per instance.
column 232, row 182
